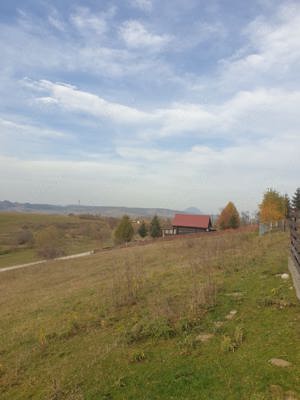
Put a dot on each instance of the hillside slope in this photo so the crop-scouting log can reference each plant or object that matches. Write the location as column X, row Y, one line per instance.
column 106, row 211
column 186, row 319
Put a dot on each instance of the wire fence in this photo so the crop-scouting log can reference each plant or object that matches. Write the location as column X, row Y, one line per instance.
column 273, row 226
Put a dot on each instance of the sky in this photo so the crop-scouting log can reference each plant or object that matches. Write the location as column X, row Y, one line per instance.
column 149, row 103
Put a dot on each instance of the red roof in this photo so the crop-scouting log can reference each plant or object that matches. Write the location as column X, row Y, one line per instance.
column 191, row 221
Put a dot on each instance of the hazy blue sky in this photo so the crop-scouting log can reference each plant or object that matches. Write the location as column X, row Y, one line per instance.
column 149, row 103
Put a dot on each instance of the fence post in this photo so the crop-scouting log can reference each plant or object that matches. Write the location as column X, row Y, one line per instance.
column 294, row 260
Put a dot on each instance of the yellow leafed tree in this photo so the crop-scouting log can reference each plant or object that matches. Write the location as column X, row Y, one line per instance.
column 229, row 217
column 273, row 206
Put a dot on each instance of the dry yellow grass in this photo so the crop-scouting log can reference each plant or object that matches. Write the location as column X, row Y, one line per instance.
column 122, row 324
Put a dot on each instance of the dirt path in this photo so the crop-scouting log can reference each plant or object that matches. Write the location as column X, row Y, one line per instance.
column 70, row 257
column 250, row 228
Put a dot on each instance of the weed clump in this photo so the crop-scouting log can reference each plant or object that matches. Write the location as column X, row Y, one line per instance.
column 127, row 284
column 138, row 356
column 187, row 344
column 232, row 343
column 144, row 329
column 42, row 340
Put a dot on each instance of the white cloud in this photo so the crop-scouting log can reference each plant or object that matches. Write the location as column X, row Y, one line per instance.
column 243, row 138
column 144, row 153
column 86, row 21
column 136, row 35
column 262, row 112
column 46, row 180
column 199, row 32
column 271, row 55
column 10, row 128
column 71, row 99
column 56, row 21
column 248, row 114
column 145, row 5
column 208, row 178
column 183, row 118
column 37, row 50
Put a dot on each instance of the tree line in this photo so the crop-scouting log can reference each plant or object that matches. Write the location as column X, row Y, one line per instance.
column 125, row 232
column 276, row 207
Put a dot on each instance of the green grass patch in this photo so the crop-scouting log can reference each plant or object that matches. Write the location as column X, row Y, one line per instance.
column 129, row 324
column 78, row 234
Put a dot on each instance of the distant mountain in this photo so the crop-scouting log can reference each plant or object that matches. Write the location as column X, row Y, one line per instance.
column 78, row 209
column 192, row 210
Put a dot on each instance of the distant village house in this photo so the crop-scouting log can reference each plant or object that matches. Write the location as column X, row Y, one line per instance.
column 183, row 224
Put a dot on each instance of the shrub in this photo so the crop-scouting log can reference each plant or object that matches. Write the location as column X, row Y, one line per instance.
column 227, row 344
column 238, row 336
column 124, row 232
column 138, row 356
column 127, row 283
column 112, row 222
column 145, row 328
column 48, row 243
column 187, row 344
column 25, row 236
column 203, row 296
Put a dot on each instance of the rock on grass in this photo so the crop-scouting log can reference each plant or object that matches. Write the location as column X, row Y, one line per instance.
column 279, row 362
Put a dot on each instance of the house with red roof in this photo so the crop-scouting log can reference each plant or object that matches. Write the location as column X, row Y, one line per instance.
column 183, row 224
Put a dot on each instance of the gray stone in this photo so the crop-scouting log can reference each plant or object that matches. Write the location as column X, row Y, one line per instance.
column 231, row 315
column 279, row 362
column 204, row 337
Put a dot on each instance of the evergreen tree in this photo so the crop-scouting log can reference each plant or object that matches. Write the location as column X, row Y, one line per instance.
column 296, row 200
column 155, row 229
column 124, row 232
column 142, row 231
column 229, row 217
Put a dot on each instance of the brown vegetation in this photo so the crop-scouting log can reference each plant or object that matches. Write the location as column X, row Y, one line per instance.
column 229, row 217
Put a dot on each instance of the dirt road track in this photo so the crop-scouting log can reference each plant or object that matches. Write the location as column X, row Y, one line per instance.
column 87, row 253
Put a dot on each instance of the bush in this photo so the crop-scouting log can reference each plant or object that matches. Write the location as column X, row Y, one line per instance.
column 124, row 232
column 126, row 285
column 48, row 243
column 25, row 236
column 145, row 328
column 96, row 231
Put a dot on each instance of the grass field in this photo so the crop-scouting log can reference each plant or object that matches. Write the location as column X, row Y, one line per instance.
column 79, row 234
column 132, row 323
